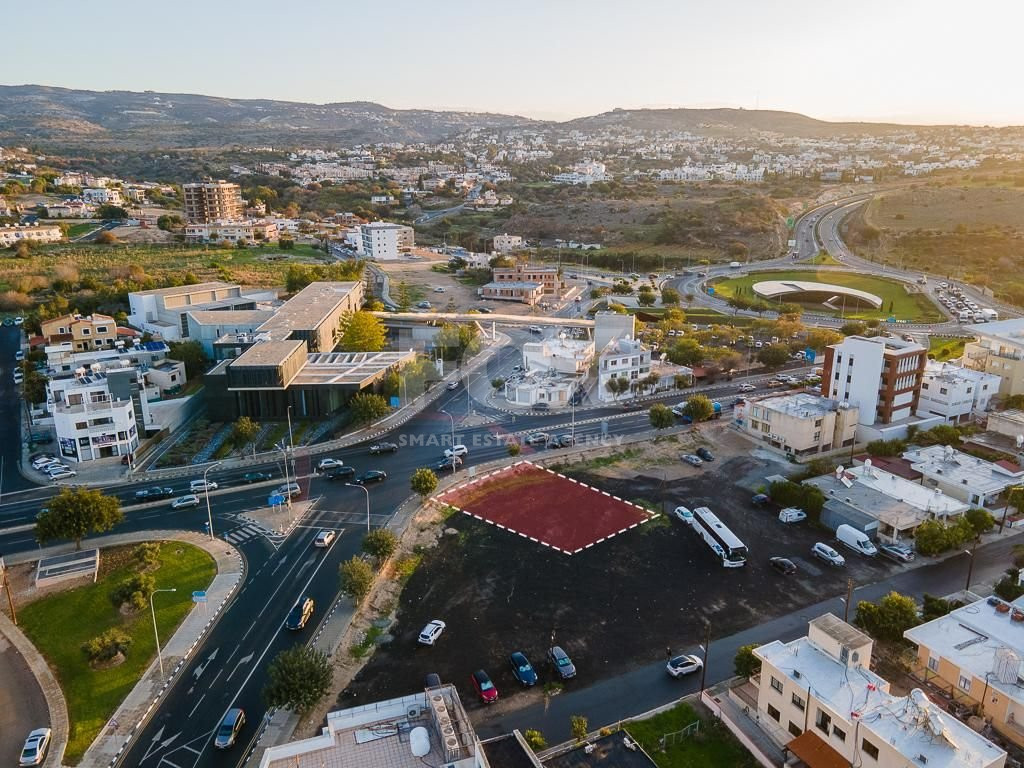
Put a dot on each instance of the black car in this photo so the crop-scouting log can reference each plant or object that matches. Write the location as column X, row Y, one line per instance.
column 154, row 494
column 705, row 454
column 256, row 477
column 373, row 476
column 340, row 473
column 760, row 499
column 560, row 660
column 783, row 565
column 383, row 448
column 522, row 669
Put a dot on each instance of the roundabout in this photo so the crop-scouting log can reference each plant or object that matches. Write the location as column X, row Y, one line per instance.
column 810, row 292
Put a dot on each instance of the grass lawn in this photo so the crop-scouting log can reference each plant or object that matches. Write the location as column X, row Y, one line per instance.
column 713, row 744
column 822, row 258
column 60, row 623
column 77, row 230
column 915, row 307
column 943, row 348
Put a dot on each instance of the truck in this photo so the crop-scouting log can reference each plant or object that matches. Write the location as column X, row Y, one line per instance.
column 680, row 411
column 856, row 540
column 990, row 315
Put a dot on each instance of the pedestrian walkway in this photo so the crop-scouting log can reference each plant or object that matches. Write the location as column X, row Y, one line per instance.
column 249, row 531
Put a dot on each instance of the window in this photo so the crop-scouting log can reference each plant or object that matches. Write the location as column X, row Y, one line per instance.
column 869, row 749
column 933, row 664
column 794, row 728
column 943, row 391
column 823, row 721
column 798, row 702
column 81, row 425
column 86, row 331
column 965, row 683
column 817, row 436
column 773, row 713
column 777, row 685
column 839, row 733
column 817, row 422
column 101, row 329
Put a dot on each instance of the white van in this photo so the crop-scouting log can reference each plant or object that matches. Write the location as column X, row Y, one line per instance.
column 965, row 316
column 792, row 515
column 856, row 540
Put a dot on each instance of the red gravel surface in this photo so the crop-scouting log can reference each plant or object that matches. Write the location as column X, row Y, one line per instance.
column 546, row 507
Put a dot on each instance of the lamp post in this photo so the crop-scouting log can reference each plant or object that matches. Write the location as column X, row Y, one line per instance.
column 453, row 439
column 206, row 490
column 365, row 490
column 287, row 480
column 704, row 667
column 156, row 634
column 970, row 567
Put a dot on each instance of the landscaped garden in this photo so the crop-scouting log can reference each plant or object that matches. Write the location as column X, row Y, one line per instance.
column 710, row 743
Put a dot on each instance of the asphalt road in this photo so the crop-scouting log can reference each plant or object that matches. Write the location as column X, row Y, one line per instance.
column 11, row 412
column 22, row 704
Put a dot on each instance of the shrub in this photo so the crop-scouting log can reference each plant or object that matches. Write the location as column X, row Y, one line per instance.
column 356, row 578
column 108, row 645
column 1007, row 587
column 806, row 497
column 886, row 447
column 746, row 663
column 381, row 543
column 578, row 724
column 535, row 740
column 147, row 554
column 134, row 592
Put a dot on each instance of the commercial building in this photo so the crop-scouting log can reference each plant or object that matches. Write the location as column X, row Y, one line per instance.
column 880, row 375
column 228, row 231
column 974, row 653
column 547, row 277
column 98, row 413
column 207, row 326
column 559, row 354
column 956, row 394
column 12, row 234
column 817, row 697
column 506, row 243
column 800, row 424
column 532, row 388
column 962, row 476
column 163, row 311
column 999, row 350
column 378, row 240
column 83, row 333
column 210, row 201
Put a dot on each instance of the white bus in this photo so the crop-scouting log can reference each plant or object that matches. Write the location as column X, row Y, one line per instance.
column 719, row 538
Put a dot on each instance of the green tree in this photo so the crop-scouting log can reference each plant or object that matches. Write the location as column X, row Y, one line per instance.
column 297, row 679
column 423, row 482
column 930, row 538
column 74, row 513
column 191, row 354
column 356, row 578
column 404, row 298
column 33, row 387
column 853, row 328
column 579, row 727
column 617, row 308
column 699, row 408
column 362, row 332
column 981, row 520
column 746, row 664
column 686, row 352
column 244, row 431
column 513, row 449
column 115, row 212
column 617, row 386
column 892, row 447
column 535, row 740
column 169, row 222
column 366, row 407
column 381, row 543
column 935, row 607
column 646, row 297
column 456, row 341
column 498, row 383
column 670, row 296
column 106, row 238
column 661, row 416
column 889, row 618
column 107, row 646
column 773, row 357
column 134, row 592
column 286, row 243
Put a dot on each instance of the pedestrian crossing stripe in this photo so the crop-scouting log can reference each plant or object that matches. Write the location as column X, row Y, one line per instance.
column 247, row 532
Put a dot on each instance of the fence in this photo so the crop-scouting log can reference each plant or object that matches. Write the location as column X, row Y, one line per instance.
column 675, row 737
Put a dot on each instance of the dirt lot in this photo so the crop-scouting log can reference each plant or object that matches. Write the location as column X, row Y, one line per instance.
column 613, row 606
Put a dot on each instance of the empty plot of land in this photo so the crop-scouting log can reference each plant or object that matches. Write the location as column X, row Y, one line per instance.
column 944, row 209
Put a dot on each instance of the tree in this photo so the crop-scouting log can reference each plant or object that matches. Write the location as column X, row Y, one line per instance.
column 773, row 356
column 33, row 387
column 169, row 221
column 107, row 645
column 356, row 577
column 930, row 538
column 404, row 298
column 297, row 679
column 699, row 408
column 892, row 447
column 853, row 328
column 366, row 407
column 646, row 297
column 686, row 352
column 670, row 296
column 362, row 332
column 936, row 607
column 423, row 482
column 244, row 431
column 134, row 592
column 498, row 383
column 115, row 212
column 535, row 740
column 746, row 664
column 981, row 520
column 617, row 308
column 661, row 417
column 74, row 513
column 286, row 243
column 617, row 386
column 381, row 543
column 889, row 618
column 513, row 449
column 191, row 354
column 579, row 727
column 106, row 238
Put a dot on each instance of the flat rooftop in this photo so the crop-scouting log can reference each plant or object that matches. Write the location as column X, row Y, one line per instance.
column 513, row 284
column 875, row 480
column 347, row 368
column 1009, row 331
column 181, row 290
column 948, row 465
column 267, row 353
column 308, row 308
column 606, row 752
column 231, row 316
column 800, row 404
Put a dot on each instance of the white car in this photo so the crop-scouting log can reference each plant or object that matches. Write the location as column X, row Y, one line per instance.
column 824, row 552
column 430, row 633
column 324, row 538
column 19, row 377
column 747, row 387
column 184, row 502
column 456, row 450
column 291, row 489
column 684, row 665
column 19, row 320
column 329, row 463
column 49, row 469
column 43, row 462
column 439, row 289
column 34, row 751
column 684, row 514
column 63, row 474
column 19, row 355
column 198, row 486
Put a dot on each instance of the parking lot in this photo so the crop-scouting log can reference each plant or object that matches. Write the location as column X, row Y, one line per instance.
column 613, row 606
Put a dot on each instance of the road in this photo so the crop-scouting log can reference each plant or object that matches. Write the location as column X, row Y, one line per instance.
column 11, row 413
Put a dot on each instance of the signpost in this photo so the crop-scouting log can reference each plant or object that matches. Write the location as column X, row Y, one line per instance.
column 199, row 596
column 790, row 222
column 809, row 355
column 275, row 499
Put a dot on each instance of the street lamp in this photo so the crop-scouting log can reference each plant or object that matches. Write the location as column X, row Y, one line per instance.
column 453, row 439
column 704, row 667
column 365, row 490
column 287, row 480
column 970, row 567
column 156, row 635
column 206, row 489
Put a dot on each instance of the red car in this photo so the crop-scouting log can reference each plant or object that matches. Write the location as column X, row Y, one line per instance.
column 484, row 687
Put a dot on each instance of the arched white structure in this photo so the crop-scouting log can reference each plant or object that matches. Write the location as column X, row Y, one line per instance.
column 779, row 290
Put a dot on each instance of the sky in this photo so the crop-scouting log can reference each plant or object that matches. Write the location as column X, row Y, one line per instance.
column 913, row 61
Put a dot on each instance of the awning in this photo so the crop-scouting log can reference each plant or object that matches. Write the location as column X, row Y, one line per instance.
column 815, row 753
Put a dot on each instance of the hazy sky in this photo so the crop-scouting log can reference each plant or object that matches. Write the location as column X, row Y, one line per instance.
column 905, row 60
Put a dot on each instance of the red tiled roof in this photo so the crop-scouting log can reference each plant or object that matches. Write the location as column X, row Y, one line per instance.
column 895, row 465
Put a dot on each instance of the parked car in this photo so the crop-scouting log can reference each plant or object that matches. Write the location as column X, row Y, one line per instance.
column 484, row 687
column 456, row 450
column 792, row 515
column 424, row 305
column 289, row 489
column 485, row 310
column 522, row 669
column 63, row 474
column 184, row 502
column 439, row 289
column 34, row 751
column 684, row 665
column 19, row 321
column 256, row 477
column 451, row 386
column 783, row 565
column 705, row 454
column 229, row 728
column 693, row 461
column 339, row 473
column 43, row 462
column 856, row 540
column 324, row 538
column 198, row 486
column 19, row 355
column 329, row 463
column 300, row 614
column 430, row 633
column 684, row 514
column 823, row 551
column 371, row 476
column 383, row 447
column 897, row 552
column 561, row 662
column 760, row 499
column 542, row 406
column 154, row 494
column 537, row 438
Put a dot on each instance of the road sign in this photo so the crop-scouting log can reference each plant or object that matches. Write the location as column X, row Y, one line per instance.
column 199, row 597
column 396, row 402
column 790, row 222
column 711, row 291
column 275, row 498
column 809, row 355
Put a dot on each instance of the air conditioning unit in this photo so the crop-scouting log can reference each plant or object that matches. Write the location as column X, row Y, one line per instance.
column 413, row 712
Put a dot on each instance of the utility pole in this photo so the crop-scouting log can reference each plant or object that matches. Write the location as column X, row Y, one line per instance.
column 6, row 585
column 849, row 599
column 704, row 667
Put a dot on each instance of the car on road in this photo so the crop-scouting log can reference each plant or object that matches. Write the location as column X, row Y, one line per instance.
column 456, row 450
column 693, row 461
column 229, row 728
column 424, row 305
column 484, row 687
column 760, row 499
column 897, row 552
column 451, row 386
column 338, row 473
column 783, row 565
column 684, row 514
column 537, row 438
column 439, row 289
column 34, row 751
column 536, row 329
column 371, row 476
column 684, row 665
column 288, row 489
column 62, row 474
column 324, row 538
column 184, row 502
column 823, row 551
column 300, row 614
column 705, row 454
column 18, row 377
column 542, row 406
column 448, row 462
column 256, row 477
column 522, row 669
column 430, row 633
column 383, row 447
column 19, row 321
column 154, row 494
column 517, row 369
column 485, row 310
column 19, row 355
column 329, row 463
column 198, row 486
column 747, row 387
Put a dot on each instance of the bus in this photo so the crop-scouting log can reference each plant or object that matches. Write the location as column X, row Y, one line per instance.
column 719, row 538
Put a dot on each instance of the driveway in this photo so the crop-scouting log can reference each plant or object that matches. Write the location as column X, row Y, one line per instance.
column 22, row 706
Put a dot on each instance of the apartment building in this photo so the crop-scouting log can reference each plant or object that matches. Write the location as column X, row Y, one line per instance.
column 955, row 393
column 506, row 243
column 70, row 209
column 526, row 273
column 12, row 234
column 999, row 351
column 880, row 375
column 977, row 482
column 817, row 697
column 103, row 196
column 511, row 290
column 210, row 201
column 559, row 355
column 378, row 240
column 87, row 332
column 98, row 413
column 163, row 311
column 799, row 424
column 622, row 357
column 227, row 231
column 975, row 653
column 1007, row 423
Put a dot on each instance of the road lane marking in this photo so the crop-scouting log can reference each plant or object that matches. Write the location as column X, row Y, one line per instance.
column 197, row 705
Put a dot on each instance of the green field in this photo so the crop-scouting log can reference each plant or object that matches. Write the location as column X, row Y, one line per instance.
column 60, row 623
column 896, row 302
column 942, row 348
column 77, row 230
column 712, row 745
column 822, row 259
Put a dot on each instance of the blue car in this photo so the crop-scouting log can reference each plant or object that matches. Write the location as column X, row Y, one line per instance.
column 522, row 668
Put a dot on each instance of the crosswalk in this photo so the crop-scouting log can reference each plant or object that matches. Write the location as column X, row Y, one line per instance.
column 250, row 531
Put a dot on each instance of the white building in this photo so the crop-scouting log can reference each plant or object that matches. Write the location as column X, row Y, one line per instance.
column 379, row 240
column 880, row 375
column 817, row 697
column 532, row 388
column 98, row 413
column 163, row 311
column 248, row 231
column 102, row 196
column 965, row 477
column 14, row 233
column 559, row 355
column 622, row 357
column 586, row 172
column 799, row 424
column 506, row 243
column 954, row 393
